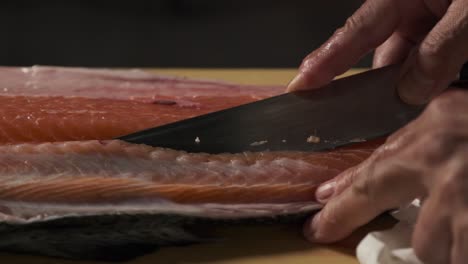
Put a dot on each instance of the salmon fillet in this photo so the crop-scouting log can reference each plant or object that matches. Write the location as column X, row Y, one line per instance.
column 115, row 171
column 60, row 169
column 119, row 84
column 44, row 119
column 60, row 104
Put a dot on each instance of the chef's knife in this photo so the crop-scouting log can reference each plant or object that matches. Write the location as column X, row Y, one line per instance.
column 355, row 108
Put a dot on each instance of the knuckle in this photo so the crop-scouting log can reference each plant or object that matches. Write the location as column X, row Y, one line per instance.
column 362, row 186
column 451, row 182
column 451, row 108
column 357, row 25
column 342, row 30
column 432, row 146
column 400, row 134
column 382, row 152
column 442, row 104
column 447, row 127
column 440, row 112
column 434, row 54
column 449, row 185
column 353, row 23
column 368, row 182
column 346, row 179
column 432, row 46
column 439, row 140
column 440, row 145
column 456, row 99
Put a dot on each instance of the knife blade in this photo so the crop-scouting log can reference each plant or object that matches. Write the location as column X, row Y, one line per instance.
column 360, row 107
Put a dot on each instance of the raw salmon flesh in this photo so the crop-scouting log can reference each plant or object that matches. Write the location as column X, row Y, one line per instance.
column 68, row 190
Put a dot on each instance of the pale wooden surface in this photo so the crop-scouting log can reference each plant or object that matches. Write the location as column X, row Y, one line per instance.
column 243, row 245
column 243, row 76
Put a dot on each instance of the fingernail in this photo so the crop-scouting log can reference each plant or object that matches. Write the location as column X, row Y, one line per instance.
column 310, row 228
column 298, row 83
column 325, row 191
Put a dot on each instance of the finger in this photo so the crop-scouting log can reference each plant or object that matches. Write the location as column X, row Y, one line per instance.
column 394, row 144
column 438, row 59
column 459, row 210
column 459, row 253
column 394, row 50
column 431, row 237
column 406, row 134
column 348, row 44
column 371, row 193
column 417, row 21
column 337, row 185
column 448, row 129
column 439, row 217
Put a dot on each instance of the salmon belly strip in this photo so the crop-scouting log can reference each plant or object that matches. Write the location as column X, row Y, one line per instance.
column 115, row 171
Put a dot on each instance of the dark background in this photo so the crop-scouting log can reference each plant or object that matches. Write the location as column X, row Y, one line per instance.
column 167, row 33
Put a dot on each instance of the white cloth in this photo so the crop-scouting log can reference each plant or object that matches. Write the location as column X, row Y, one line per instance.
column 391, row 246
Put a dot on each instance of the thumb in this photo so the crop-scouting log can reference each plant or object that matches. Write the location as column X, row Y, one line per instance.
column 438, row 59
column 371, row 193
column 394, row 144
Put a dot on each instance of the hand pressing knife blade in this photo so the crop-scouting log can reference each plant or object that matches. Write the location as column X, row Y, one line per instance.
column 356, row 108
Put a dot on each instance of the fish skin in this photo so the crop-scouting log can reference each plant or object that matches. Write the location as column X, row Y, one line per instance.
column 47, row 207
column 65, row 194
column 102, row 237
column 122, row 237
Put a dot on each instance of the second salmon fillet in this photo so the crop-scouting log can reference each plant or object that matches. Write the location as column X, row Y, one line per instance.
column 115, row 171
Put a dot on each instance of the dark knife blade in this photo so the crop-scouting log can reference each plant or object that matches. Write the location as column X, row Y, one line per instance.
column 359, row 107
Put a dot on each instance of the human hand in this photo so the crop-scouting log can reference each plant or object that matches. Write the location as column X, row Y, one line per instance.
column 429, row 36
column 426, row 159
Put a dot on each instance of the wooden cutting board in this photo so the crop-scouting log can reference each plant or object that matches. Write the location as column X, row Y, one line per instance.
column 250, row 244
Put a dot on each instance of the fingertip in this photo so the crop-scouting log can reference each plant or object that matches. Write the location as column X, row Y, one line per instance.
column 325, row 191
column 377, row 63
column 393, row 51
column 310, row 228
column 408, row 97
column 380, row 58
column 313, row 74
column 415, row 89
column 314, row 230
column 307, row 229
column 297, row 83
